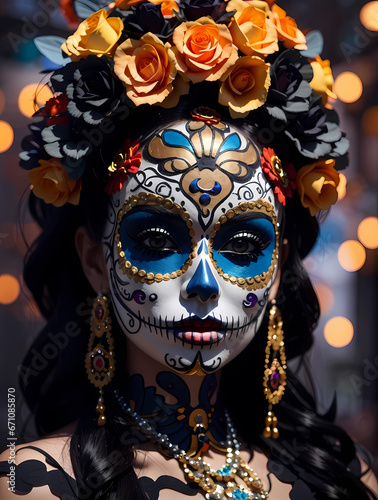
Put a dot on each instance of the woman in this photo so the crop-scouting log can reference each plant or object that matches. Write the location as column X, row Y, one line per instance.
column 188, row 225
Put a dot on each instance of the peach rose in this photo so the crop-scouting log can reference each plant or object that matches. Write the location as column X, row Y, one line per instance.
column 287, row 29
column 317, row 185
column 147, row 67
column 203, row 49
column 252, row 30
column 322, row 82
column 245, row 85
column 50, row 182
column 97, row 36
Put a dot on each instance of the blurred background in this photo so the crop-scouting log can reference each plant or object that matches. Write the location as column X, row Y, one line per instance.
column 344, row 263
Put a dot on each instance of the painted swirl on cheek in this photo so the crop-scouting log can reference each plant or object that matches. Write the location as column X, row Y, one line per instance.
column 245, row 249
column 154, row 242
column 251, row 300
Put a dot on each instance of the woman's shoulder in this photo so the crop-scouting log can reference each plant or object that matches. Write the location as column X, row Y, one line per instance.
column 38, row 470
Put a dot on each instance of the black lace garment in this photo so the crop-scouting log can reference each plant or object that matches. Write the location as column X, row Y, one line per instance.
column 32, row 473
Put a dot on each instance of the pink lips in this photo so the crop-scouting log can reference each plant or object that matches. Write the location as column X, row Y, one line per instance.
column 196, row 331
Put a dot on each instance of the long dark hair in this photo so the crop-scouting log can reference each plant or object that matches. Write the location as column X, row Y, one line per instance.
column 310, row 446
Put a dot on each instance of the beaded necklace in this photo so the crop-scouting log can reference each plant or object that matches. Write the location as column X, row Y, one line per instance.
column 224, row 483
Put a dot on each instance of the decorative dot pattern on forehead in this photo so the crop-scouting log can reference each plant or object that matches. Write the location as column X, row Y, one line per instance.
column 159, row 259
column 210, row 159
column 252, row 266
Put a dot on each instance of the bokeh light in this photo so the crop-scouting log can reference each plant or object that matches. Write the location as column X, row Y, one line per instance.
column 368, row 232
column 348, row 87
column 6, row 136
column 341, row 188
column 351, row 255
column 325, row 296
column 32, row 97
column 370, row 121
column 2, row 101
column 338, row 331
column 9, row 289
column 369, row 16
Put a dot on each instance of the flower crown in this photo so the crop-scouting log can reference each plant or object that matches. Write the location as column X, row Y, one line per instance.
column 136, row 52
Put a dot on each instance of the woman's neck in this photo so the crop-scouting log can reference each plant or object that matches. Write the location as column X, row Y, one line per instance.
column 185, row 407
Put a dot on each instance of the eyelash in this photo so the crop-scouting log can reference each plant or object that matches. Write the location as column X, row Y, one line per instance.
column 140, row 238
column 260, row 242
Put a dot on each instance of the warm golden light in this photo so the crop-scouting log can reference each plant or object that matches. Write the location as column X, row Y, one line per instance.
column 369, row 16
column 368, row 232
column 341, row 188
column 9, row 289
column 6, row 136
column 352, row 255
column 2, row 102
column 338, row 331
column 348, row 87
column 33, row 97
column 370, row 121
column 325, row 297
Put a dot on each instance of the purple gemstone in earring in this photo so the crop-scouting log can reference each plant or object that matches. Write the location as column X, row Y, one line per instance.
column 274, row 381
column 251, row 300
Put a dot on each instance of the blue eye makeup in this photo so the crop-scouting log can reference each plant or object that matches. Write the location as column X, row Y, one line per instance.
column 244, row 244
column 154, row 242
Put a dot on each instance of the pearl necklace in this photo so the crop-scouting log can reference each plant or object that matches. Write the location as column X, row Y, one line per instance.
column 221, row 484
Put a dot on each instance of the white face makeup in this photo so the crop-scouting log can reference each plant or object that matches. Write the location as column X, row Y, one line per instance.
column 191, row 247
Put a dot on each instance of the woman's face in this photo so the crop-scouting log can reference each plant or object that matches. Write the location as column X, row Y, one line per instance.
column 191, row 246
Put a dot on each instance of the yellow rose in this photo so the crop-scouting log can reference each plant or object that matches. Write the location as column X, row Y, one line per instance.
column 317, row 185
column 252, row 30
column 147, row 67
column 50, row 182
column 203, row 49
column 97, row 36
column 322, row 82
column 287, row 29
column 245, row 85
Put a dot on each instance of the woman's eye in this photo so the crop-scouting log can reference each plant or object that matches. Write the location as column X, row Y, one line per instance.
column 156, row 239
column 245, row 245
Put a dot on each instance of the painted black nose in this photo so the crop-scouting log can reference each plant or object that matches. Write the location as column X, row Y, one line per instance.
column 203, row 284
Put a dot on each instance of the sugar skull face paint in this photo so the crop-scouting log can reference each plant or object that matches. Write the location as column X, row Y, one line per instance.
column 191, row 247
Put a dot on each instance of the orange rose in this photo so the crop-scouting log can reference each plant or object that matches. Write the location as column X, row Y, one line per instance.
column 245, row 85
column 287, row 29
column 167, row 6
column 97, row 36
column 317, row 185
column 322, row 82
column 203, row 49
column 147, row 67
column 50, row 182
column 252, row 30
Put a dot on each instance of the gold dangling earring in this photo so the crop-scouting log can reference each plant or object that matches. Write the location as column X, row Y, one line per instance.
column 274, row 376
column 99, row 360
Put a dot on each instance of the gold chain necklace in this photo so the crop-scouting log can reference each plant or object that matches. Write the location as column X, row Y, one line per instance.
column 234, row 481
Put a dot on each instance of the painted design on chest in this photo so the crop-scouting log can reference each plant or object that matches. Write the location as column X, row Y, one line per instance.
column 209, row 161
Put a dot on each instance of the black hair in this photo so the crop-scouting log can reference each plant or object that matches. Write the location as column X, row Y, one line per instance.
column 310, row 446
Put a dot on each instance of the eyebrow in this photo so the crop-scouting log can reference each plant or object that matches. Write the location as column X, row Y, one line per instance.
column 247, row 216
column 156, row 210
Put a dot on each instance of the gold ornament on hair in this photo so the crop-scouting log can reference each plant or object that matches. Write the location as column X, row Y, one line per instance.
column 275, row 365
column 99, row 360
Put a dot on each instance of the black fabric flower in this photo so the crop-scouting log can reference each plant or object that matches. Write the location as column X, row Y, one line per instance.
column 316, row 133
column 147, row 17
column 67, row 143
column 290, row 91
column 92, row 89
column 32, row 147
column 194, row 9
